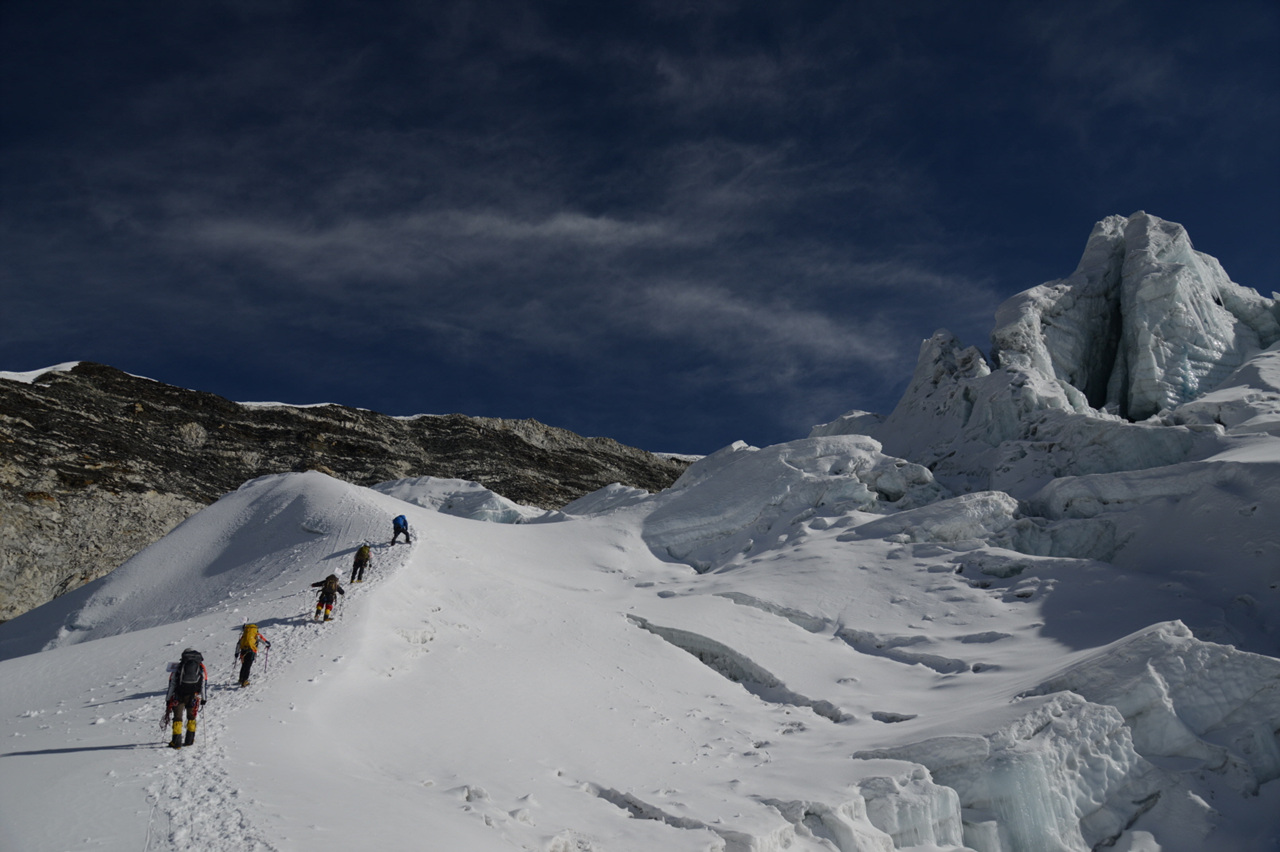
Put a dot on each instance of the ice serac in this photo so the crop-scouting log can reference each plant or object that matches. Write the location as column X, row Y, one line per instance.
column 1144, row 324
column 1121, row 739
column 1209, row 707
column 1010, row 429
column 1248, row 402
column 1064, row 776
column 894, row 805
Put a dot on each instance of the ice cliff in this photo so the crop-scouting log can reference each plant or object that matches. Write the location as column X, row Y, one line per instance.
column 1084, row 373
column 1144, row 324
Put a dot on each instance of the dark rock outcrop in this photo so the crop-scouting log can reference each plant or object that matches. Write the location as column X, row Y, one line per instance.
column 96, row 464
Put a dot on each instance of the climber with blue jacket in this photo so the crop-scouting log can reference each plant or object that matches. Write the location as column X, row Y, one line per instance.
column 400, row 525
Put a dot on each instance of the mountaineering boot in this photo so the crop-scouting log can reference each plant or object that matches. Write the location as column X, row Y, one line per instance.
column 191, row 738
column 176, row 742
column 328, row 618
column 244, row 683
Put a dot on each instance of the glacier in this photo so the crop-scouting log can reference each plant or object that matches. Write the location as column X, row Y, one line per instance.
column 1035, row 607
column 1144, row 324
column 1087, row 371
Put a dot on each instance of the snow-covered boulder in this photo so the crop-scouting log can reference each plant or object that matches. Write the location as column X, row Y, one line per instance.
column 1090, row 496
column 856, row 422
column 1247, row 401
column 743, row 500
column 1212, row 707
column 463, row 499
column 606, row 499
column 985, row 516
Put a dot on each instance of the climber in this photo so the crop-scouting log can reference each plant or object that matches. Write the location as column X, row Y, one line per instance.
column 329, row 591
column 361, row 563
column 185, row 695
column 247, row 650
column 400, row 525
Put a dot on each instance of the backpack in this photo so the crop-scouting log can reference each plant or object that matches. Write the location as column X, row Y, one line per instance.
column 249, row 638
column 330, row 584
column 189, row 676
column 362, row 555
column 401, row 522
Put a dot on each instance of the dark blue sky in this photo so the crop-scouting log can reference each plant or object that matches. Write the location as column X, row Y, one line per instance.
column 674, row 224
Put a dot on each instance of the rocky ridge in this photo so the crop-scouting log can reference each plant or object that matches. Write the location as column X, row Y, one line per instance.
column 96, row 464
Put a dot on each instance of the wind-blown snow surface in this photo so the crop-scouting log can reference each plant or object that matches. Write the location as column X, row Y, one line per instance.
column 558, row 686
column 1047, row 628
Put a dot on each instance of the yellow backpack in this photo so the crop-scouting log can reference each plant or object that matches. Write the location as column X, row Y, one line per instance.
column 249, row 638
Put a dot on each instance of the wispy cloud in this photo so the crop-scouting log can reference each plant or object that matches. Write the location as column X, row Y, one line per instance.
column 420, row 244
column 768, row 206
column 777, row 337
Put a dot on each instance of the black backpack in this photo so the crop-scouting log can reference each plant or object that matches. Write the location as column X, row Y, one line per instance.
column 189, row 677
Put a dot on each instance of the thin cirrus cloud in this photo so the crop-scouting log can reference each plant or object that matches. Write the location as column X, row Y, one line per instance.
column 774, row 333
column 760, row 341
column 414, row 245
column 728, row 205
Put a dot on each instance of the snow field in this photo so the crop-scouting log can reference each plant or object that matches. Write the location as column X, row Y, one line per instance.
column 556, row 685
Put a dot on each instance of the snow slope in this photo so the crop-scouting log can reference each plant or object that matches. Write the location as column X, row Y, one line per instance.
column 559, row 686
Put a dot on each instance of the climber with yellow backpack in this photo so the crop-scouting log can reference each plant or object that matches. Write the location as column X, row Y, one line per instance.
column 247, row 650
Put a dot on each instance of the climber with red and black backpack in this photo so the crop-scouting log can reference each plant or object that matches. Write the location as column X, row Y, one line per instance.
column 187, row 679
column 329, row 591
